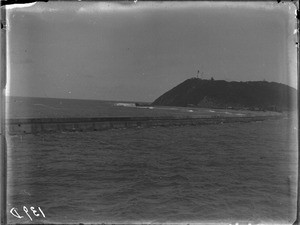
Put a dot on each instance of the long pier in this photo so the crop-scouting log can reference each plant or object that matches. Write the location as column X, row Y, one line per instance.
column 50, row 125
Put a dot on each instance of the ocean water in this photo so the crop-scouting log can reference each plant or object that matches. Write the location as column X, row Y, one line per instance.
column 24, row 107
column 238, row 172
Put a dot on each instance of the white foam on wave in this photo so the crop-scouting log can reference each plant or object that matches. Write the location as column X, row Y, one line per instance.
column 125, row 104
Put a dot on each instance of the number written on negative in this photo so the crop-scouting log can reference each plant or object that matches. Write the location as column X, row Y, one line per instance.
column 31, row 213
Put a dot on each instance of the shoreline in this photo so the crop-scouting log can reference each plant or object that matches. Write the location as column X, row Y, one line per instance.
column 51, row 125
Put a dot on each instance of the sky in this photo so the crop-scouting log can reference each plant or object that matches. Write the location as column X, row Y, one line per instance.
column 137, row 51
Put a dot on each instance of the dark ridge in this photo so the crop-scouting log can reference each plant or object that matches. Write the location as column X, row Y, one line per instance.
column 250, row 95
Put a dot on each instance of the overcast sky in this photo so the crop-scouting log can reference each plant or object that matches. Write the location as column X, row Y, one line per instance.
column 138, row 51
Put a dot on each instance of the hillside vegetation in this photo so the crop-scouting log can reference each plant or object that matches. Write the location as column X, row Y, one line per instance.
column 251, row 95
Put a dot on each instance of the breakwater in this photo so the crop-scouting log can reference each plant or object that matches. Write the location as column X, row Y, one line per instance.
column 48, row 125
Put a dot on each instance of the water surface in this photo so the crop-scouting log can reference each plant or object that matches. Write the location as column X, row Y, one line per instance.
column 213, row 173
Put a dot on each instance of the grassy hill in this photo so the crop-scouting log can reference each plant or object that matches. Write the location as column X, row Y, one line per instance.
column 253, row 95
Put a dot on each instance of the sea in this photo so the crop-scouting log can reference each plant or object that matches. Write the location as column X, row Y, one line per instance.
column 229, row 173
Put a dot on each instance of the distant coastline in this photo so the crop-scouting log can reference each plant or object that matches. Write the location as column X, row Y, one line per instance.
column 33, row 107
column 42, row 115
